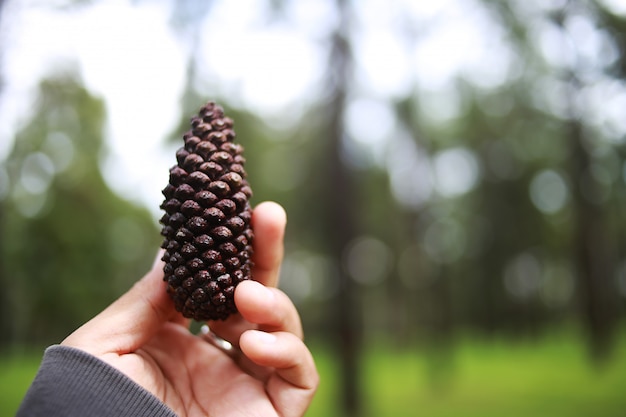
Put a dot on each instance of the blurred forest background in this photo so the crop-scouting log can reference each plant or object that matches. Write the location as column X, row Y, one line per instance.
column 452, row 171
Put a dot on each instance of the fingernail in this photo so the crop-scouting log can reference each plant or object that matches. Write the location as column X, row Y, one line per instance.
column 267, row 293
column 265, row 338
column 262, row 291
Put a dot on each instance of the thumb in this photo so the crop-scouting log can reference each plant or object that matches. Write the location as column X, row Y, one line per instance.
column 131, row 321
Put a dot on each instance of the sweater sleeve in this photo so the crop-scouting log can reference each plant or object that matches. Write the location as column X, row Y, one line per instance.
column 73, row 383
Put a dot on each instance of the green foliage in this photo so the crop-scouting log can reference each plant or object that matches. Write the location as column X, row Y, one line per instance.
column 69, row 244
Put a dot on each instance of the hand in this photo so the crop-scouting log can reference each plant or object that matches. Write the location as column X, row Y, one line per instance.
column 143, row 336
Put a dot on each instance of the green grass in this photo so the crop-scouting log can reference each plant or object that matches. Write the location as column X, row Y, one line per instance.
column 551, row 377
column 17, row 371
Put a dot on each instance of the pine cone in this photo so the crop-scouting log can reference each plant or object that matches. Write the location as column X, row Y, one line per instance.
column 208, row 237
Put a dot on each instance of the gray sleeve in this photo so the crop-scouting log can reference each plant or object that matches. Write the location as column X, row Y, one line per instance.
column 72, row 383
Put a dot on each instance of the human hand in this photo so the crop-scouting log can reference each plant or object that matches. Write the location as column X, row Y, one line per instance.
column 142, row 335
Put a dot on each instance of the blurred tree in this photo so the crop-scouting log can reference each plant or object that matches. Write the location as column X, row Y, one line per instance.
column 5, row 333
column 534, row 241
column 69, row 245
column 594, row 245
column 573, row 70
column 340, row 210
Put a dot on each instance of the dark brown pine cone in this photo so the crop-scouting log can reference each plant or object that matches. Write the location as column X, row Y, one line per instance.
column 208, row 238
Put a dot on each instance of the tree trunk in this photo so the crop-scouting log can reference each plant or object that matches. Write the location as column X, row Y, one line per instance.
column 341, row 206
column 593, row 252
column 6, row 329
